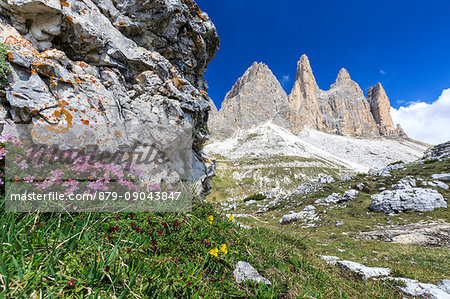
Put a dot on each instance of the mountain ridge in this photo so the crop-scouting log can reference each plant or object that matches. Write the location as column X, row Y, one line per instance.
column 343, row 109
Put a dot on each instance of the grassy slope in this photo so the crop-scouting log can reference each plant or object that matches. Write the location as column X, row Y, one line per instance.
column 70, row 255
column 424, row 264
column 83, row 255
column 274, row 169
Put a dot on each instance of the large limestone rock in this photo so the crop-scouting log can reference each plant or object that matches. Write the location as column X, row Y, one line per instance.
column 421, row 233
column 256, row 98
column 303, row 95
column 380, row 106
column 133, row 65
column 407, row 198
column 439, row 151
column 337, row 198
column 363, row 271
column 418, row 289
column 442, row 177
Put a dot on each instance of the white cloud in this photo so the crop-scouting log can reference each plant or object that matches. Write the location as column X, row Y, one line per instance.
column 426, row 122
column 284, row 79
column 382, row 72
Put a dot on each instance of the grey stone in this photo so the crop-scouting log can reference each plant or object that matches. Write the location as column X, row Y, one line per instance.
column 363, row 271
column 336, row 198
column 407, row 198
column 309, row 208
column 244, row 271
column 331, row 260
column 315, row 184
column 435, row 234
column 438, row 152
column 340, row 223
column 386, row 171
column 308, row 217
column 445, row 177
column 423, row 290
column 138, row 66
column 445, row 285
column 438, row 184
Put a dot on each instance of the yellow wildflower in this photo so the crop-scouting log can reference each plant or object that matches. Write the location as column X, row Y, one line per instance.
column 214, row 252
column 224, row 249
column 231, row 217
column 210, row 219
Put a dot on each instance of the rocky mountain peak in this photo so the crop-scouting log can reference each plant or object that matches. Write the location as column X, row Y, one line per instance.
column 304, row 70
column 303, row 95
column 343, row 75
column 256, row 98
column 380, row 108
column 342, row 110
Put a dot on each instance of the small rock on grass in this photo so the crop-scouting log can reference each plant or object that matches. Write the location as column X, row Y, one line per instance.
column 423, row 290
column 363, row 271
column 445, row 177
column 244, row 271
column 330, row 259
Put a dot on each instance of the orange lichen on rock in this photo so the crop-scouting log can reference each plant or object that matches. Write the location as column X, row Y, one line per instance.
column 63, row 103
column 43, row 68
column 69, row 20
column 65, row 4
column 19, row 42
column 62, row 128
column 178, row 83
column 82, row 64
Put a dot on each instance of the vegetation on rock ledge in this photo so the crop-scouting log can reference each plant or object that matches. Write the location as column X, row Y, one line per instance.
column 4, row 69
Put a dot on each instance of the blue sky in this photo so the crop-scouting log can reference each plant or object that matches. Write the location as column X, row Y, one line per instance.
column 405, row 45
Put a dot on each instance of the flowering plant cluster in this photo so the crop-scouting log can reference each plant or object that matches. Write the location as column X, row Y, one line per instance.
column 42, row 172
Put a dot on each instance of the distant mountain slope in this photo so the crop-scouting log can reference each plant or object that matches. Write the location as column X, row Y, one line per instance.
column 356, row 154
column 271, row 158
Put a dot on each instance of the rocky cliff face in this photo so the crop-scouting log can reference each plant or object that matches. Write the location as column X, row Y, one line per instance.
column 256, row 98
column 137, row 65
column 303, row 97
column 380, row 106
column 342, row 110
column 345, row 110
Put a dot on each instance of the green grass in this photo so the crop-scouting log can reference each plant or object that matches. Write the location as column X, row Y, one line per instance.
column 4, row 69
column 148, row 255
column 92, row 255
column 426, row 264
column 261, row 173
column 255, row 197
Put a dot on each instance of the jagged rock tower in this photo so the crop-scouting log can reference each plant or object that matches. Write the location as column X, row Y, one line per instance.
column 257, row 97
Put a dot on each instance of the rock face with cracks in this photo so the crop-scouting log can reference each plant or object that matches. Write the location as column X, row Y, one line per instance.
column 407, row 197
column 256, row 98
column 133, row 65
